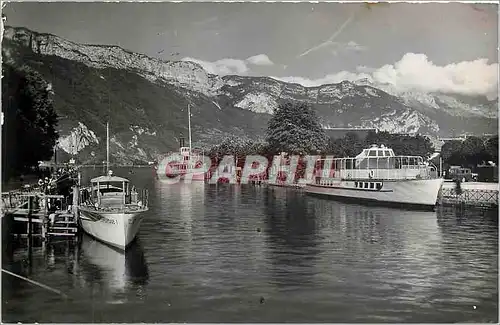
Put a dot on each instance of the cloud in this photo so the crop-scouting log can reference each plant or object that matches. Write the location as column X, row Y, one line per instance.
column 347, row 47
column 260, row 59
column 414, row 72
column 222, row 67
column 231, row 66
column 353, row 46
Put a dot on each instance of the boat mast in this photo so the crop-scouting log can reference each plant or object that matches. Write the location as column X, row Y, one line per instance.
column 189, row 126
column 107, row 148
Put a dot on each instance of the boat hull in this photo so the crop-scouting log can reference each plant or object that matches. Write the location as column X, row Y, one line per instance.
column 412, row 194
column 199, row 177
column 184, row 178
column 117, row 229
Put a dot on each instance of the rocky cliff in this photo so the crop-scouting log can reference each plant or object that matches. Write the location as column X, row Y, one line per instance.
column 145, row 100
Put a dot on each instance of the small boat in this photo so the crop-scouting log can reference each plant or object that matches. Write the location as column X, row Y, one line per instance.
column 377, row 175
column 188, row 161
column 111, row 210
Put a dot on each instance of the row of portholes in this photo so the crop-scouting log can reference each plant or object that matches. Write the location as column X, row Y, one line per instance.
column 370, row 185
column 327, row 182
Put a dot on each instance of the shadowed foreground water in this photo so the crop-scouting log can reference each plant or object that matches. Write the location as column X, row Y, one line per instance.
column 248, row 254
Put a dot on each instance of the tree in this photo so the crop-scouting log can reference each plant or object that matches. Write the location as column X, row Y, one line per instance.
column 29, row 131
column 470, row 152
column 452, row 152
column 473, row 151
column 348, row 146
column 491, row 148
column 295, row 129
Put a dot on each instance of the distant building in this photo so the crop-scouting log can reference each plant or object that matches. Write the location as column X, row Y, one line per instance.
column 464, row 137
column 336, row 133
column 447, row 139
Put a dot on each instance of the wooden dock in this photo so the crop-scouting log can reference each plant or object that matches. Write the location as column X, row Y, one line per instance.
column 43, row 215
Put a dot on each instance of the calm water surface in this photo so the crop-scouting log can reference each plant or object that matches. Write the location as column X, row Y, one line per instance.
column 223, row 253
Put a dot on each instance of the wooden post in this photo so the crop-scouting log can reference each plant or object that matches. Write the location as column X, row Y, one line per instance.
column 124, row 194
column 44, row 225
column 45, row 206
column 29, row 226
column 76, row 201
column 30, row 208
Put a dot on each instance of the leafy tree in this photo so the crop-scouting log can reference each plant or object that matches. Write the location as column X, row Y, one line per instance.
column 473, row 151
column 470, row 152
column 452, row 152
column 295, row 129
column 237, row 147
column 348, row 146
column 29, row 131
column 491, row 148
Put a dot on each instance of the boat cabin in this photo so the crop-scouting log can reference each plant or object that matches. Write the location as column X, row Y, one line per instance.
column 184, row 151
column 377, row 162
column 112, row 190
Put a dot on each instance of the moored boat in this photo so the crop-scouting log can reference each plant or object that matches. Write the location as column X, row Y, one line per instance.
column 186, row 163
column 112, row 210
column 377, row 175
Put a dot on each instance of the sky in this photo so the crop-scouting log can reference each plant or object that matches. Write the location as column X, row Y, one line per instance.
column 441, row 46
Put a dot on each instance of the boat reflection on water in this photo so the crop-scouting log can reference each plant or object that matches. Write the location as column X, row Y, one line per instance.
column 402, row 226
column 382, row 235
column 116, row 271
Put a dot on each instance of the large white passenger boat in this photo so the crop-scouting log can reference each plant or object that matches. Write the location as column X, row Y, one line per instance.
column 378, row 175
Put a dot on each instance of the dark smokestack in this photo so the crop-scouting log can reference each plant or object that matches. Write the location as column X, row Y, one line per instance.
column 181, row 141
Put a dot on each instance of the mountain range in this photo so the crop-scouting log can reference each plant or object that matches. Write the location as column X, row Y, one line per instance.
column 145, row 100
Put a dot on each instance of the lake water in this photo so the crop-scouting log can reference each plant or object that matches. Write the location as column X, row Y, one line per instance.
column 225, row 253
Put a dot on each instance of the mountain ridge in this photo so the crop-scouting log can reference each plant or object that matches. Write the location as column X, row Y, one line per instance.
column 222, row 105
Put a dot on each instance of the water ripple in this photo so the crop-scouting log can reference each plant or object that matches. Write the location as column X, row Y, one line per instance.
column 249, row 254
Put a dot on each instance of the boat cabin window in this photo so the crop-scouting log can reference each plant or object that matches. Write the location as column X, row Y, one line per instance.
column 109, row 187
column 372, row 153
column 110, row 190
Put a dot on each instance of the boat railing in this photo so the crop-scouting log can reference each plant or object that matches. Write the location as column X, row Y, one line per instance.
column 386, row 174
column 388, row 168
column 138, row 197
column 382, row 168
column 133, row 197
